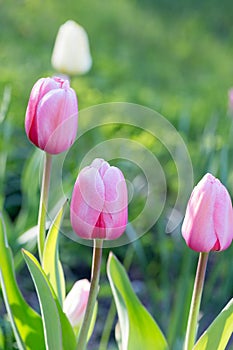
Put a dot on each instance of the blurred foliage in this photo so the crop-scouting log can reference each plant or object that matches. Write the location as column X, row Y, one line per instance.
column 172, row 56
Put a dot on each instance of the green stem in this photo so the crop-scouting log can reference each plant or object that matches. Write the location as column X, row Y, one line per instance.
column 95, row 276
column 43, row 203
column 107, row 327
column 195, row 303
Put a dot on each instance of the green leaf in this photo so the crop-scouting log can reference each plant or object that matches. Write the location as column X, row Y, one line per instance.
column 29, row 210
column 137, row 327
column 26, row 323
column 4, row 107
column 5, row 139
column 58, row 331
column 51, row 263
column 219, row 332
column 1, row 339
column 93, row 321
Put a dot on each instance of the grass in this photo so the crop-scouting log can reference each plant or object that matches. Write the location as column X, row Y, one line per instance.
column 172, row 56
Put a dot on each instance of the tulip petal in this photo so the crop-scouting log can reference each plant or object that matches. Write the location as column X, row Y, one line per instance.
column 115, row 212
column 92, row 188
column 223, row 218
column 99, row 230
column 87, row 202
column 198, row 226
column 116, row 197
column 101, row 165
column 57, row 120
column 76, row 301
column 41, row 87
column 63, row 136
column 115, row 224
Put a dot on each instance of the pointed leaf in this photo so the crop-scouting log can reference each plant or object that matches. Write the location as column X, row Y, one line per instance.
column 1, row 339
column 58, row 331
column 28, row 241
column 138, row 328
column 219, row 332
column 93, row 321
column 51, row 263
column 28, row 213
column 26, row 323
column 5, row 139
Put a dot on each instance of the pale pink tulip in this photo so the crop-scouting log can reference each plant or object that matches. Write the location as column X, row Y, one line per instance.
column 230, row 96
column 99, row 204
column 75, row 302
column 52, row 115
column 208, row 222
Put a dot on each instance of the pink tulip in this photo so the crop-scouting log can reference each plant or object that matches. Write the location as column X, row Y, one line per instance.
column 230, row 96
column 208, row 222
column 99, row 204
column 75, row 302
column 52, row 115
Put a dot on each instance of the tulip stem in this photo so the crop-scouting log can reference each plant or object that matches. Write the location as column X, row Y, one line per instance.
column 94, row 288
column 43, row 203
column 196, row 301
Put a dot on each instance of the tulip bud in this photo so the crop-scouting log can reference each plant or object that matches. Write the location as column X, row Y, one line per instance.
column 230, row 96
column 75, row 302
column 52, row 115
column 99, row 204
column 208, row 222
column 71, row 53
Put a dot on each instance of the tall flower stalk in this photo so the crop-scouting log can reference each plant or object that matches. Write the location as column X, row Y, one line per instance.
column 44, row 203
column 95, row 276
column 98, row 211
column 196, row 301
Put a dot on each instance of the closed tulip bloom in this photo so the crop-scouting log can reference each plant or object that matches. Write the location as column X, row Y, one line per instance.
column 75, row 302
column 71, row 53
column 230, row 95
column 208, row 222
column 99, row 204
column 52, row 115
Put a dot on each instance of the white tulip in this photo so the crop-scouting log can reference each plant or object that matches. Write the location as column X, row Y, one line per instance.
column 75, row 302
column 71, row 53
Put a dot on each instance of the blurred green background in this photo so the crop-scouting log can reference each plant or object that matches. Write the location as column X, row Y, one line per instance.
column 175, row 57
